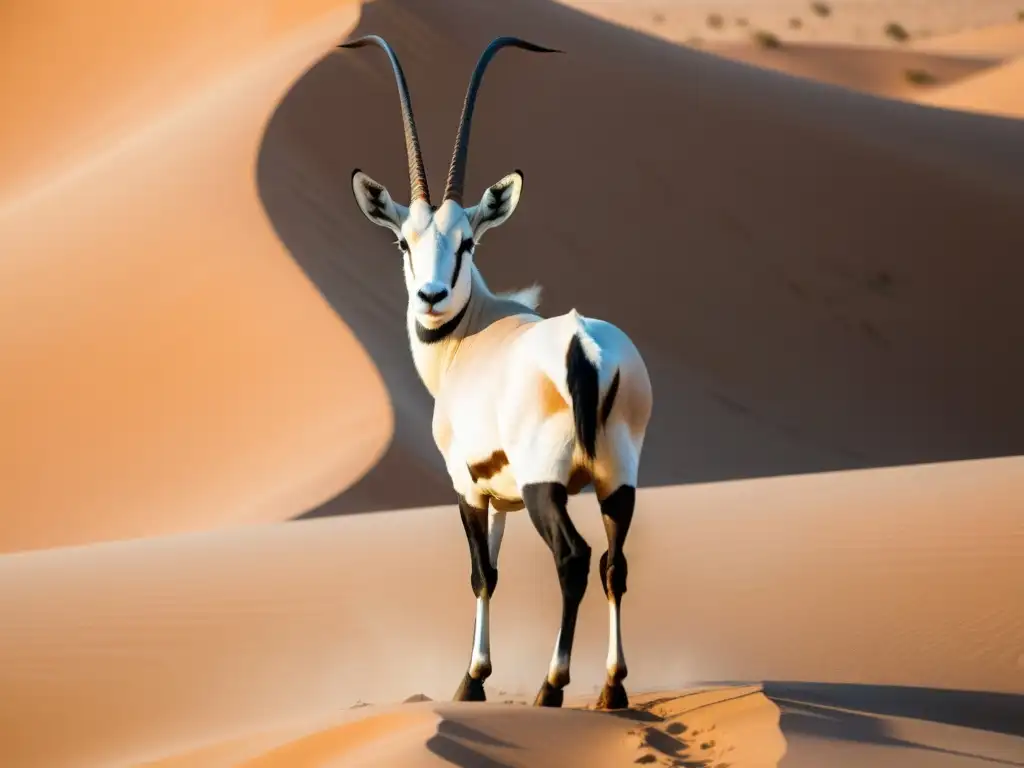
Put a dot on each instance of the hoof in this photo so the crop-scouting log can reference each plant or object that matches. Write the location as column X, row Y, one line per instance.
column 613, row 696
column 548, row 696
column 470, row 689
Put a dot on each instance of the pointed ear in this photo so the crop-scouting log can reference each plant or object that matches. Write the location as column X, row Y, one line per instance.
column 497, row 204
column 376, row 204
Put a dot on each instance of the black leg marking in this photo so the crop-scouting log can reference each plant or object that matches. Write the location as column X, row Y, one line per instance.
column 546, row 503
column 617, row 514
column 484, row 580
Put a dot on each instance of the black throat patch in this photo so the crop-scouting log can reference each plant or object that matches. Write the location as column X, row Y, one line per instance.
column 434, row 335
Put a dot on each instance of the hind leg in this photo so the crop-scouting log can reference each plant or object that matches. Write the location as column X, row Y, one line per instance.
column 617, row 514
column 546, row 503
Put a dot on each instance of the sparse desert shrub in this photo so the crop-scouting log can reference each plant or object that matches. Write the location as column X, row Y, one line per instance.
column 696, row 41
column 821, row 9
column 658, row 18
column 920, row 77
column 1020, row 15
column 767, row 39
column 897, row 32
column 742, row 22
column 796, row 23
column 716, row 21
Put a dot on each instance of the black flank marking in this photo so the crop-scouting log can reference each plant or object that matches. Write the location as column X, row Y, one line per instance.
column 581, row 380
column 434, row 335
column 609, row 399
column 489, row 467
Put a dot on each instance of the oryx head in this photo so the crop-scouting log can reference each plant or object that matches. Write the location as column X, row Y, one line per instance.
column 438, row 242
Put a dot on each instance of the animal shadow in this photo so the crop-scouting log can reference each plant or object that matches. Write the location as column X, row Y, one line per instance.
column 458, row 744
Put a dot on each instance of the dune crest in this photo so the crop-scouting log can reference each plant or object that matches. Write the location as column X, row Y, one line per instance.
column 999, row 91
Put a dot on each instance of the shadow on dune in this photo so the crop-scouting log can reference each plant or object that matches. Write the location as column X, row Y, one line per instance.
column 857, row 713
column 454, row 742
column 981, row 710
column 819, row 279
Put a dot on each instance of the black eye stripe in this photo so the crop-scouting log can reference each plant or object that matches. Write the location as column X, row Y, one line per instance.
column 464, row 247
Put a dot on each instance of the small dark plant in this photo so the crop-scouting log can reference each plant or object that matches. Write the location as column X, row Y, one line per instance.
column 821, row 9
column 742, row 22
column 796, row 23
column 897, row 32
column 659, row 18
column 767, row 39
column 1020, row 15
column 920, row 77
column 716, row 21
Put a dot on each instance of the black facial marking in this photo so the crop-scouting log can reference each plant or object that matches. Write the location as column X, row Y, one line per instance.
column 464, row 247
column 434, row 335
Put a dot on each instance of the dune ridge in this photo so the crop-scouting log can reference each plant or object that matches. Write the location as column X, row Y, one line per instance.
column 998, row 92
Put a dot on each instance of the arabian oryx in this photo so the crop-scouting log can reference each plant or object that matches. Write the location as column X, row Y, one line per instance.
column 527, row 410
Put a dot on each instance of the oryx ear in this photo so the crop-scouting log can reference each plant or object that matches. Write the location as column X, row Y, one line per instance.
column 376, row 204
column 497, row 204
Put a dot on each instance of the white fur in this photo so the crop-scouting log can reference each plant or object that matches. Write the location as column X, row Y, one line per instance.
column 528, row 297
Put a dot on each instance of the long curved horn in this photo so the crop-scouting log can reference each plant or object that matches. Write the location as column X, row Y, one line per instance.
column 457, row 170
column 417, row 176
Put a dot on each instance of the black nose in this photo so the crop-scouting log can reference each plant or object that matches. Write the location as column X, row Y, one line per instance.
column 433, row 298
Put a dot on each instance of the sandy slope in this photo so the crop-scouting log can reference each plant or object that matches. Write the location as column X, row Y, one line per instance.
column 821, row 279
column 882, row 71
column 164, row 366
column 998, row 92
column 849, row 21
column 1006, row 40
column 244, row 639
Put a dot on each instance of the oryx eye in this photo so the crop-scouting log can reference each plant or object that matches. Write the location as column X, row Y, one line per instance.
column 403, row 245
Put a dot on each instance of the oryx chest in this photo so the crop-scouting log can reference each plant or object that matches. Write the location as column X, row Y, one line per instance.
column 470, row 442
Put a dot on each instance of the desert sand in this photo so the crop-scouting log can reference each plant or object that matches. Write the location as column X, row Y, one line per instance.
column 202, row 339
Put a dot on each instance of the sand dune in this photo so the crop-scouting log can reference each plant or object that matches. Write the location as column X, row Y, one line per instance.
column 164, row 366
column 825, row 279
column 882, row 71
column 820, row 280
column 860, row 22
column 228, row 643
column 998, row 92
column 1006, row 40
